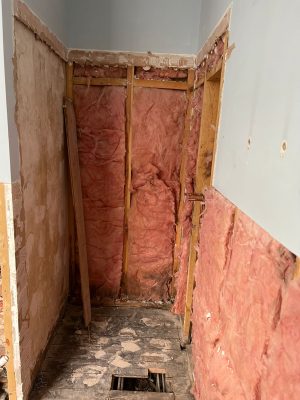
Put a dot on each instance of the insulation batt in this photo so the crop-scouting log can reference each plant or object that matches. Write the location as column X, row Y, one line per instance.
column 186, row 215
column 245, row 312
column 161, row 74
column 157, row 128
column 100, row 114
column 94, row 71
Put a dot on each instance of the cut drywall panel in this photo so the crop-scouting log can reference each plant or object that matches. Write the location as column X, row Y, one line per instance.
column 258, row 147
column 53, row 14
column 170, row 26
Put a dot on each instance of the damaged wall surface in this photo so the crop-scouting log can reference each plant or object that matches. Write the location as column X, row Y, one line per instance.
column 245, row 310
column 40, row 198
column 157, row 128
column 100, row 114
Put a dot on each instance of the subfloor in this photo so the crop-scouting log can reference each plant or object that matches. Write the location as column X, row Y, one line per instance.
column 123, row 341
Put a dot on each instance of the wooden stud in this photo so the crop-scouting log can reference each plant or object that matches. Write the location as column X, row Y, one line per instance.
column 174, row 85
column 6, row 292
column 129, row 103
column 74, row 168
column 99, row 81
column 183, row 166
column 71, row 215
column 204, row 175
column 297, row 268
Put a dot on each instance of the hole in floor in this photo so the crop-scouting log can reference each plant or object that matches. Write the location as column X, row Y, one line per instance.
column 155, row 382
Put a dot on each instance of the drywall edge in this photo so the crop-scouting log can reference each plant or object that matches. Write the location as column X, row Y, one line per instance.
column 221, row 27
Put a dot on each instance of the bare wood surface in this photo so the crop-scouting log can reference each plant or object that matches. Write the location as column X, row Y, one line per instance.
column 174, row 85
column 213, row 86
column 71, row 214
column 203, row 179
column 74, row 168
column 99, row 81
column 297, row 269
column 129, row 102
column 6, row 293
column 183, row 169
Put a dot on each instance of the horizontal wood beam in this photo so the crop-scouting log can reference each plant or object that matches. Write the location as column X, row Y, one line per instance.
column 99, row 81
column 175, row 85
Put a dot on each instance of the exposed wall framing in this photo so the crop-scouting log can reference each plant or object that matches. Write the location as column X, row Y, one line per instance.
column 213, row 83
column 149, row 59
column 179, row 81
column 190, row 85
column 129, row 101
column 77, row 201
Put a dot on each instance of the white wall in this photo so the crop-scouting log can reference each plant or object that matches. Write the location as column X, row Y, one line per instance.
column 53, row 14
column 170, row 26
column 261, row 101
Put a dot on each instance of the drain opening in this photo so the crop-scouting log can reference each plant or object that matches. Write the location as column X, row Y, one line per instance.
column 155, row 382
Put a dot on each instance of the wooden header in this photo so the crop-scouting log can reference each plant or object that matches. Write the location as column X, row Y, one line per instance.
column 173, row 85
column 157, row 60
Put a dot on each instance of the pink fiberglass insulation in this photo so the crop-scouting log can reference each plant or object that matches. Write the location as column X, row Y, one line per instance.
column 102, row 71
column 186, row 215
column 157, row 128
column 161, row 74
column 281, row 375
column 100, row 114
column 242, row 278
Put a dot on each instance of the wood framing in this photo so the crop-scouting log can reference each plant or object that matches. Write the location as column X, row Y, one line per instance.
column 128, row 141
column 157, row 60
column 70, row 121
column 204, row 174
column 183, row 166
column 297, row 268
column 6, row 292
column 71, row 215
column 99, row 81
column 175, row 85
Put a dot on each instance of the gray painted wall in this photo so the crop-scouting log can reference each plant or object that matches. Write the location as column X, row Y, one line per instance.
column 9, row 147
column 261, row 101
column 170, row 26
column 53, row 14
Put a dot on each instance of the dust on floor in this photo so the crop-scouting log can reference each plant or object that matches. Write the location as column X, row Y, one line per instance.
column 121, row 340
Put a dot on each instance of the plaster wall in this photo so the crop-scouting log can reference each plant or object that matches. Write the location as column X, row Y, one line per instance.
column 40, row 197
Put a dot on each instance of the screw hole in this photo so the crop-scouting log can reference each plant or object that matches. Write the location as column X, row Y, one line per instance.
column 283, row 146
